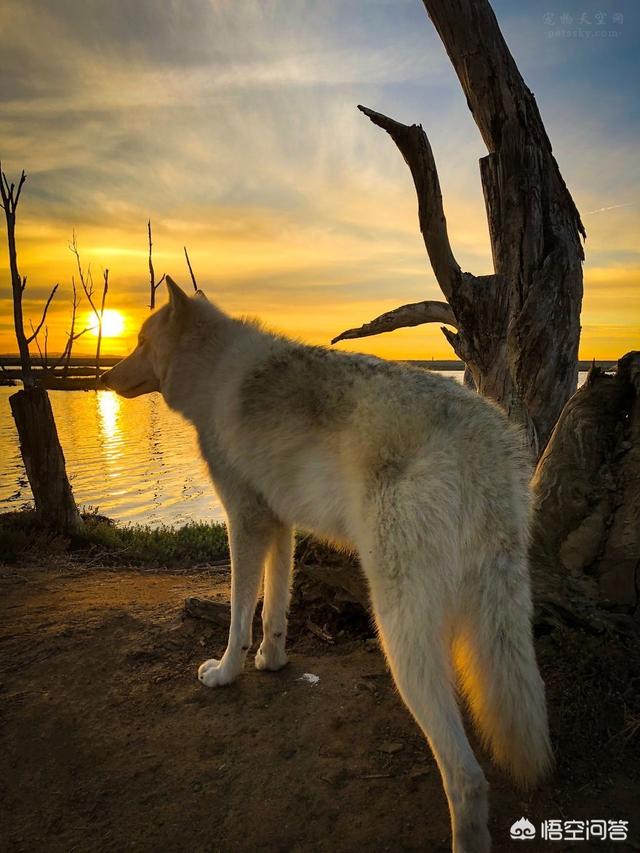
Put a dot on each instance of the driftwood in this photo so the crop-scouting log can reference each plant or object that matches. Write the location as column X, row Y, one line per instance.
column 518, row 329
column 217, row 612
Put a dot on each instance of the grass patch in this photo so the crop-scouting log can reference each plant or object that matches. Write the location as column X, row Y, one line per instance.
column 131, row 544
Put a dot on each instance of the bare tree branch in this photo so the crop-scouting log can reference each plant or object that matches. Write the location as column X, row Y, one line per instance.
column 72, row 336
column 193, row 278
column 414, row 314
column 87, row 285
column 23, row 178
column 66, row 352
column 34, row 338
column 9, row 205
column 153, row 286
column 100, row 316
column 86, row 280
column 44, row 316
column 415, row 148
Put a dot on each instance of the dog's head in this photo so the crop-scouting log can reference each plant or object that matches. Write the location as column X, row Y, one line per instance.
column 145, row 369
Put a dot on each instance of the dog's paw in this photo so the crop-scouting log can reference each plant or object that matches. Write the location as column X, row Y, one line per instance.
column 270, row 658
column 217, row 673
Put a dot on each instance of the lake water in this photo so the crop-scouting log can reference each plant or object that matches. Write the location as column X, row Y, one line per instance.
column 135, row 460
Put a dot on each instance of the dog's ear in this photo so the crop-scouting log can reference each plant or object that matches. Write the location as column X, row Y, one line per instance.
column 178, row 300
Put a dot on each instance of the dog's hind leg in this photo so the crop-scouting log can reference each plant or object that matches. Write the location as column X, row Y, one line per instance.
column 251, row 533
column 409, row 591
column 271, row 654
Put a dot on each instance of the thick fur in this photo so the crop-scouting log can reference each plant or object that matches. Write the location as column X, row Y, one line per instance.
column 423, row 477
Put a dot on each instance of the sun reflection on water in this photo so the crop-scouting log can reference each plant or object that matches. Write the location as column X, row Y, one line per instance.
column 108, row 412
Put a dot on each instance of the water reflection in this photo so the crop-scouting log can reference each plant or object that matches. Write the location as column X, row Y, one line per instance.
column 134, row 460
column 108, row 408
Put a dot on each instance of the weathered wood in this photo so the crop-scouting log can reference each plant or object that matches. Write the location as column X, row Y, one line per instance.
column 415, row 148
column 414, row 314
column 218, row 612
column 587, row 489
column 534, row 225
column 44, row 460
column 479, row 303
column 518, row 329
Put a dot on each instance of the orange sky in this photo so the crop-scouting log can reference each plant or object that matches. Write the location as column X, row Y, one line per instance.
column 234, row 128
column 299, row 279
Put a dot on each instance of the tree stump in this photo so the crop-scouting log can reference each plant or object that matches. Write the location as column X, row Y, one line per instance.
column 44, row 460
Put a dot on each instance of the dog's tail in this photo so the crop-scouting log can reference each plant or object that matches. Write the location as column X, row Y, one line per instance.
column 495, row 660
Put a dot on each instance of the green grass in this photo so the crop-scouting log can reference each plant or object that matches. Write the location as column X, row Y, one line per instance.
column 131, row 544
column 108, row 543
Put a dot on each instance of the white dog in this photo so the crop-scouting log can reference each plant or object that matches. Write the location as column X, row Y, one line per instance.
column 423, row 477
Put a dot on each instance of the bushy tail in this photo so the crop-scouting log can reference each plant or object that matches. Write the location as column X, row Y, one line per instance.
column 495, row 661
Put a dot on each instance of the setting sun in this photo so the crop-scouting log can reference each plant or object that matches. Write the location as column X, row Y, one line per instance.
column 112, row 323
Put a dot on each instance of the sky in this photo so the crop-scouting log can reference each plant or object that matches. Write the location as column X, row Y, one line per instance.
column 232, row 125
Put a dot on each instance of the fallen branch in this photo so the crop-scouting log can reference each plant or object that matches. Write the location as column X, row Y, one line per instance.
column 319, row 632
column 217, row 612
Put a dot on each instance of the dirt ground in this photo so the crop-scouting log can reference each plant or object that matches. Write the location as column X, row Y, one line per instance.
column 109, row 742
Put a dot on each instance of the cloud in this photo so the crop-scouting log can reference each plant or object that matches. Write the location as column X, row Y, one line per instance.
column 233, row 125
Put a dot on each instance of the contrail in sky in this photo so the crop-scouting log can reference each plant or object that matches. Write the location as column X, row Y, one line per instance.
column 613, row 207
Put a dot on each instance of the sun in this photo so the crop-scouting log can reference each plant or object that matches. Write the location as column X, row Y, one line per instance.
column 112, row 324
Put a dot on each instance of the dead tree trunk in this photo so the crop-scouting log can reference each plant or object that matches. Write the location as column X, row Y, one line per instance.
column 587, row 488
column 44, row 460
column 39, row 444
column 518, row 329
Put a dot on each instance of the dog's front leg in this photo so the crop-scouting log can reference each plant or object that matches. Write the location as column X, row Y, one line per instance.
column 250, row 536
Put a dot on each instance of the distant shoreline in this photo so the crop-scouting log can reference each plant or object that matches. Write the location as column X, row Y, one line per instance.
column 85, row 364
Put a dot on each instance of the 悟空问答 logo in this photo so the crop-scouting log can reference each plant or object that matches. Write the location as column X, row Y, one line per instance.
column 523, row 830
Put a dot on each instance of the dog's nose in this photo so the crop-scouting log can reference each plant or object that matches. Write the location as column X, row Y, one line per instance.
column 104, row 378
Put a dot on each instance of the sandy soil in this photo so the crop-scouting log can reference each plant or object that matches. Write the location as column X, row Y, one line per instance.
column 109, row 742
